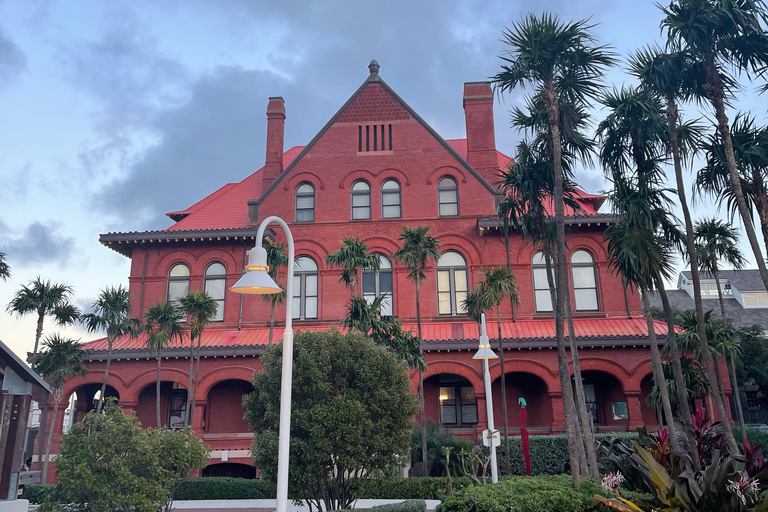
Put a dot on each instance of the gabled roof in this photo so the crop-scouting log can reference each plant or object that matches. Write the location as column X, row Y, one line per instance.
column 437, row 335
column 747, row 280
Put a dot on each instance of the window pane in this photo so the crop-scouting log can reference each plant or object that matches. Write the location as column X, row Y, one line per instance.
column 389, row 198
column 304, row 264
column 361, row 200
column 447, row 210
column 384, row 262
column 390, row 185
column 386, row 304
column 305, row 215
column 310, row 284
column 538, row 259
column 468, row 414
column 460, row 297
column 179, row 270
column 583, row 277
column 305, row 202
column 310, row 310
column 385, row 282
column 177, row 289
column 446, row 183
column 296, row 308
column 390, row 212
column 540, row 279
column 444, row 303
column 369, row 282
column 447, row 196
column 305, row 188
column 460, row 277
column 360, row 186
column 296, row 292
column 443, row 280
column 215, row 288
column 581, row 257
column 219, row 316
column 361, row 213
column 215, row 269
column 543, row 300
column 447, row 405
column 586, row 299
column 467, row 395
column 451, row 259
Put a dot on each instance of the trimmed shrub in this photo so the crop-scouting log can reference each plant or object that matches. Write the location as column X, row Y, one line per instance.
column 405, row 506
column 223, row 488
column 549, row 453
column 36, row 494
column 529, row 494
column 423, row 488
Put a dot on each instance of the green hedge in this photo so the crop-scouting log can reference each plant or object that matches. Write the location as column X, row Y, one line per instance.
column 423, row 488
column 529, row 494
column 405, row 506
column 221, row 488
column 549, row 453
column 36, row 494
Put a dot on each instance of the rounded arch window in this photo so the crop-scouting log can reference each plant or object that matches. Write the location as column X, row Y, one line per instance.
column 452, row 283
column 361, row 200
column 178, row 282
column 391, row 200
column 216, row 286
column 377, row 283
column 305, row 203
column 541, row 284
column 448, row 197
column 585, row 296
column 305, row 288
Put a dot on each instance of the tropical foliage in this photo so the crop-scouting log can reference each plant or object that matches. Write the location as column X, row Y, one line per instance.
column 352, row 257
column 163, row 330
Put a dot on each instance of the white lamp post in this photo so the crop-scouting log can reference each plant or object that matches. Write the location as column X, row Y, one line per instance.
column 491, row 436
column 256, row 280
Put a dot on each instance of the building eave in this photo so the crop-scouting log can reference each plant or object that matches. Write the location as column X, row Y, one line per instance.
column 487, row 225
column 124, row 243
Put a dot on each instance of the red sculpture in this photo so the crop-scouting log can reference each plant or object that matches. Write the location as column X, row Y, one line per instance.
column 524, row 435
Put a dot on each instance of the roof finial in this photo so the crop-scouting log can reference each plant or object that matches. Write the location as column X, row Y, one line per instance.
column 373, row 67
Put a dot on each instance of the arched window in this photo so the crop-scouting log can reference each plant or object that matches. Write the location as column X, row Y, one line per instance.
column 451, row 283
column 305, row 203
column 448, row 197
column 540, row 283
column 361, row 200
column 379, row 282
column 390, row 200
column 584, row 281
column 216, row 286
column 304, row 288
column 178, row 282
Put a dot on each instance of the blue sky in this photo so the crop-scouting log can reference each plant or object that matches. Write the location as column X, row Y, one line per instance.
column 114, row 113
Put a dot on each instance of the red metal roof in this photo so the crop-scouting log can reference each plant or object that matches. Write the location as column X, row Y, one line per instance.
column 586, row 328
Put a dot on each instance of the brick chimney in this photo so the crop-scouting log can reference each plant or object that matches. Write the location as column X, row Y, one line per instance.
column 275, row 130
column 481, row 140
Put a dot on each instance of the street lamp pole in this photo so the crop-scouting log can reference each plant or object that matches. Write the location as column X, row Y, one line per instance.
column 485, row 352
column 256, row 280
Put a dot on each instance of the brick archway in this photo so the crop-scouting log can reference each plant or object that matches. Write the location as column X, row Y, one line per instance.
column 214, row 377
column 455, row 368
column 149, row 377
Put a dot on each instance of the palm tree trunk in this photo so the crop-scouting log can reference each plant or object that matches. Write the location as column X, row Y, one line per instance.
column 714, row 89
column 761, row 204
column 56, row 399
column 737, row 396
column 38, row 333
column 503, row 390
column 191, row 412
column 720, row 384
column 672, row 116
column 551, row 101
column 716, row 273
column 272, row 322
column 658, row 373
column 581, row 410
column 684, row 410
column 509, row 266
column 424, row 459
column 110, row 343
column 157, row 394
column 189, row 386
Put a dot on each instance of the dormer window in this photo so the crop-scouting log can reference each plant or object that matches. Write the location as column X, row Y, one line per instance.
column 374, row 137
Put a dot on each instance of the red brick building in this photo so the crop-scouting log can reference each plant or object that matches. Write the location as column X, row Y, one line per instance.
column 374, row 167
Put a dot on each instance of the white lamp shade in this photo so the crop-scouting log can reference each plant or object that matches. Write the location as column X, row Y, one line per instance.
column 480, row 354
column 256, row 279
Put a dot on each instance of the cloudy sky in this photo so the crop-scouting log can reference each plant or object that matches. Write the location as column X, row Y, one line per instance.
column 114, row 113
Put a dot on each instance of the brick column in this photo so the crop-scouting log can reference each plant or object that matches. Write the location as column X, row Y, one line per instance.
column 558, row 413
column 128, row 407
column 482, row 411
column 633, row 408
column 197, row 420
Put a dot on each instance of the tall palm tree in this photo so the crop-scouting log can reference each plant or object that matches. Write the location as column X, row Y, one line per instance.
column 675, row 78
column 717, row 242
column 352, row 257
column 200, row 308
column 111, row 313
column 162, row 329
column 418, row 249
column 498, row 284
column 721, row 36
column 45, row 299
column 750, row 148
column 5, row 269
column 60, row 360
column 277, row 257
column 545, row 54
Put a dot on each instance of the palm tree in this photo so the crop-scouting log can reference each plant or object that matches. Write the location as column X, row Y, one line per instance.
column 498, row 284
column 351, row 257
column 61, row 359
column 200, row 308
column 163, row 329
column 418, row 248
column 720, row 36
column 717, row 242
column 111, row 313
column 675, row 79
column 5, row 269
column 556, row 58
column 750, row 147
column 276, row 258
column 45, row 299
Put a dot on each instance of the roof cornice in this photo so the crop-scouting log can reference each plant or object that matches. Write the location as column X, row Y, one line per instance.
column 124, row 243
